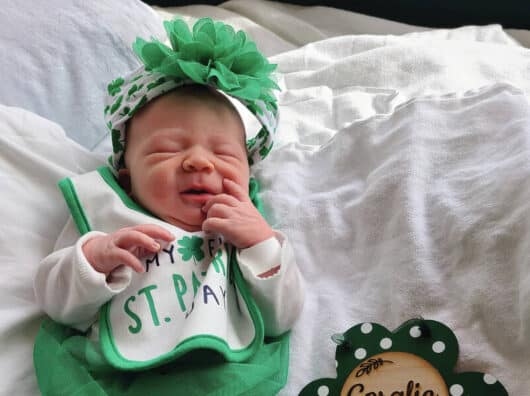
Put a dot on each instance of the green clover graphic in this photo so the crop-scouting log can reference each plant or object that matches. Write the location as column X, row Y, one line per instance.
column 116, row 144
column 134, row 89
column 116, row 105
column 156, row 83
column 191, row 248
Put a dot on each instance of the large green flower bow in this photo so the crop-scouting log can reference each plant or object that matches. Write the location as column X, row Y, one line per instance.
column 212, row 53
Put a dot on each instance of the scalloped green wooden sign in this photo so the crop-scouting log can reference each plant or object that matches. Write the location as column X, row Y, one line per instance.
column 417, row 359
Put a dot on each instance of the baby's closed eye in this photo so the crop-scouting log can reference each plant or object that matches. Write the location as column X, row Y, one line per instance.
column 169, row 148
column 228, row 151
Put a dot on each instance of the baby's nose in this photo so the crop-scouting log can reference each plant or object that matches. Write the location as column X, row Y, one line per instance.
column 196, row 161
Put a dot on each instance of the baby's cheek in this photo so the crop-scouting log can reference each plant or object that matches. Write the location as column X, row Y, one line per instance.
column 238, row 174
column 161, row 183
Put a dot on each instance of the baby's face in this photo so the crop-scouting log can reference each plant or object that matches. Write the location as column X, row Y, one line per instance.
column 179, row 150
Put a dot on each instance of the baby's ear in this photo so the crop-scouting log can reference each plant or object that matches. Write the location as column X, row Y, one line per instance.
column 124, row 180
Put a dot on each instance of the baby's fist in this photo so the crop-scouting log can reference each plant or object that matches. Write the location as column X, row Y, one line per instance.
column 234, row 216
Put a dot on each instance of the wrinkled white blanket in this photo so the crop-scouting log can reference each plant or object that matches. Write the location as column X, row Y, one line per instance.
column 425, row 211
column 398, row 204
column 34, row 154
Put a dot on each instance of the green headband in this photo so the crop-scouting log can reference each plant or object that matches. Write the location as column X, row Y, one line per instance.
column 211, row 54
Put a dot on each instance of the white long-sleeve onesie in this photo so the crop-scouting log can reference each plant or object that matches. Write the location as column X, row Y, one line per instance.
column 71, row 292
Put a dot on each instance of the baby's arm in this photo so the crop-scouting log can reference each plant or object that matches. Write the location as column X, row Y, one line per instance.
column 279, row 296
column 265, row 256
column 68, row 286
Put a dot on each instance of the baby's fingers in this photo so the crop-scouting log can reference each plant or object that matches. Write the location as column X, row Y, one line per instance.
column 123, row 257
column 216, row 225
column 155, row 232
column 131, row 240
column 235, row 190
column 224, row 199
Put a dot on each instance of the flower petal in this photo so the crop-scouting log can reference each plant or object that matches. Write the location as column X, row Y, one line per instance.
column 226, row 55
column 170, row 67
column 194, row 70
column 249, row 46
column 267, row 83
column 248, row 62
column 205, row 25
column 151, row 53
column 224, row 33
column 196, row 51
column 204, row 31
column 241, row 38
column 178, row 33
column 250, row 89
column 226, row 80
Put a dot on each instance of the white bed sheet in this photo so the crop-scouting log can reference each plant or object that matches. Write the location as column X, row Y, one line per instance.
column 358, row 204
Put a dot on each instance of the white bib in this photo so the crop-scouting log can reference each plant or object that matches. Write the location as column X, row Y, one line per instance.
column 192, row 295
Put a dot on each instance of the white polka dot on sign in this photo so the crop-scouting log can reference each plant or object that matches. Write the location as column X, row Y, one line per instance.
column 360, row 353
column 336, row 364
column 415, row 331
column 323, row 390
column 366, row 328
column 456, row 390
column 438, row 347
column 385, row 343
column 489, row 379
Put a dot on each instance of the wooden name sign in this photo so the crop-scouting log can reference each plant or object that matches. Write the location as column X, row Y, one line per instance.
column 415, row 360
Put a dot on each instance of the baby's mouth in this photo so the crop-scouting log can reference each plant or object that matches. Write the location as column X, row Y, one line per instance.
column 195, row 191
column 196, row 195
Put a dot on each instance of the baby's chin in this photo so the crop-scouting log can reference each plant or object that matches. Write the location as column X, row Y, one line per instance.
column 189, row 223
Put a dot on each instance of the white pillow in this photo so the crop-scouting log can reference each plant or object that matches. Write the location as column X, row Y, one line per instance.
column 59, row 55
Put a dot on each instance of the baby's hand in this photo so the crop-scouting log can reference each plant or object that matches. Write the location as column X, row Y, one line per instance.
column 235, row 217
column 124, row 247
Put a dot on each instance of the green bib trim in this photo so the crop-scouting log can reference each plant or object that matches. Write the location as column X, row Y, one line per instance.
column 67, row 188
column 109, row 178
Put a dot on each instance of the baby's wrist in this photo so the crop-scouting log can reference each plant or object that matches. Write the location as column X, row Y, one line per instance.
column 89, row 249
column 262, row 236
column 263, row 260
column 89, row 274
